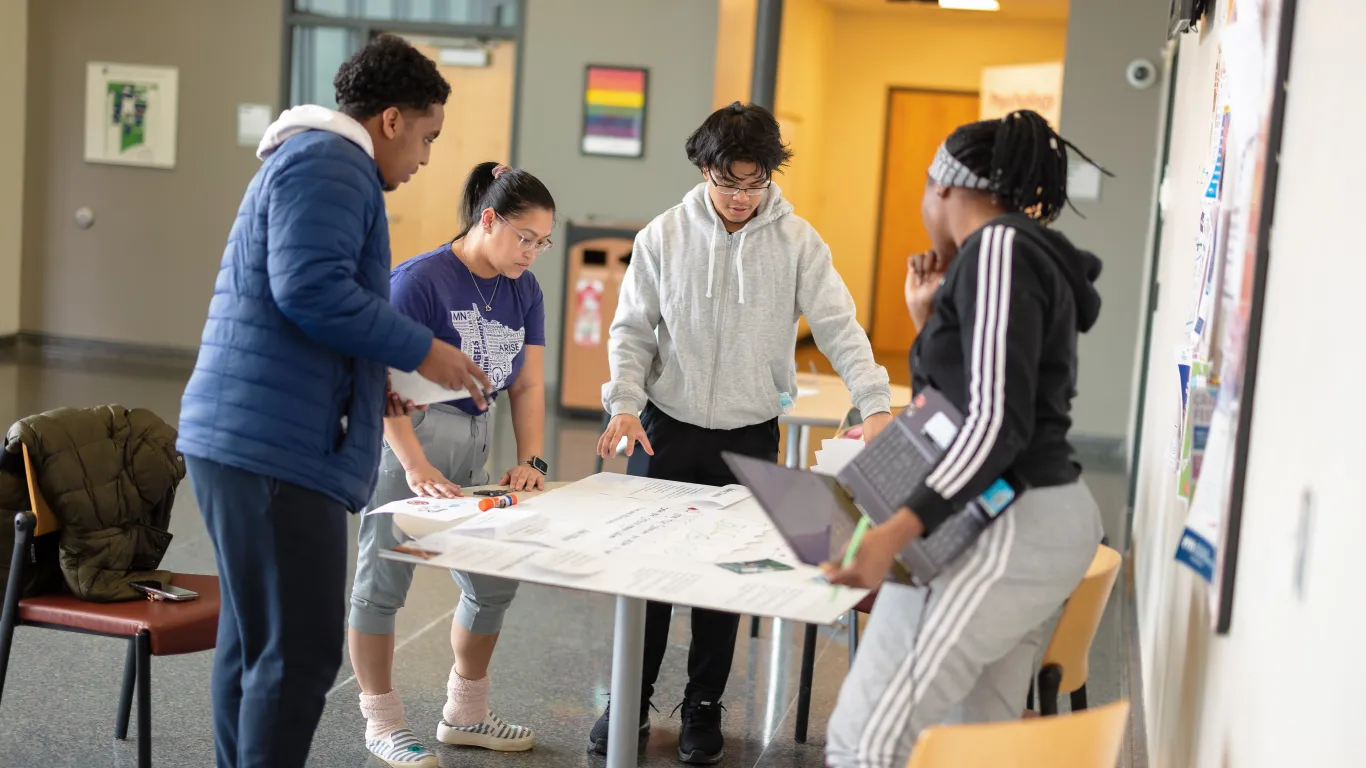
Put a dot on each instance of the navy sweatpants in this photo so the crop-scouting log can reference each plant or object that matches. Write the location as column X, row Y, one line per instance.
column 282, row 570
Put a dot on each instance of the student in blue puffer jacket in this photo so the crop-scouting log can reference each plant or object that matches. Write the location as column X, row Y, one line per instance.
column 281, row 422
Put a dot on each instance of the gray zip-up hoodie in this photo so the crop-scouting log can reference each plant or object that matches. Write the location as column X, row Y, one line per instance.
column 706, row 325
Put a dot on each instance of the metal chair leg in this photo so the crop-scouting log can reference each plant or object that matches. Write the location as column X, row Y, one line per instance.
column 754, row 626
column 24, row 523
column 804, row 688
column 130, row 669
column 144, row 663
column 853, row 636
column 1079, row 699
column 1050, row 678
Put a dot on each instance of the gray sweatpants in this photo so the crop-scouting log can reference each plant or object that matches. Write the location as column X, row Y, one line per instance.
column 962, row 650
column 457, row 445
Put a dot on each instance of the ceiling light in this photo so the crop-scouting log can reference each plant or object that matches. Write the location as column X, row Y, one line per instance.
column 970, row 5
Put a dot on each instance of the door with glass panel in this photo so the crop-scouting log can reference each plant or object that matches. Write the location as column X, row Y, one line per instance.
column 473, row 43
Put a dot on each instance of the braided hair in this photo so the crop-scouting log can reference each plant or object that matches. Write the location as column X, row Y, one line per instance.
column 1023, row 160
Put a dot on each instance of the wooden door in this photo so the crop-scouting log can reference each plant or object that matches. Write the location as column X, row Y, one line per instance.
column 917, row 122
column 425, row 212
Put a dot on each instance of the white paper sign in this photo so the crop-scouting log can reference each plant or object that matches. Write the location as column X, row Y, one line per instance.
column 252, row 122
column 1036, row 87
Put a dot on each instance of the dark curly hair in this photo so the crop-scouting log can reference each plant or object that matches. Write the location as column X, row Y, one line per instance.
column 738, row 133
column 389, row 72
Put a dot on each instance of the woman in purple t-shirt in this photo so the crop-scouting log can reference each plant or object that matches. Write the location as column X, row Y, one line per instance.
column 476, row 294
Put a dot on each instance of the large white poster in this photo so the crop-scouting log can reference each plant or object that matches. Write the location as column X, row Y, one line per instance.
column 1037, row 87
column 130, row 114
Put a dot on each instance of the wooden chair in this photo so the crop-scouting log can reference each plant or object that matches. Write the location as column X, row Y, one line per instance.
column 1090, row 739
column 1066, row 662
column 151, row 628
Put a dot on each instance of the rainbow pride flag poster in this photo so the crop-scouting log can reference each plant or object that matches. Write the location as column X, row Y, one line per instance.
column 614, row 111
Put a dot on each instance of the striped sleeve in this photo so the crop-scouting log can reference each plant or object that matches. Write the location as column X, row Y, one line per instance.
column 999, row 305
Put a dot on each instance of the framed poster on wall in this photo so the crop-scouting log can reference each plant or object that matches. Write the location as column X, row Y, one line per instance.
column 130, row 114
column 614, row 111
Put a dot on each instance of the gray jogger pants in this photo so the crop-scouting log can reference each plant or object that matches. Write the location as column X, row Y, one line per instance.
column 963, row 649
column 457, row 445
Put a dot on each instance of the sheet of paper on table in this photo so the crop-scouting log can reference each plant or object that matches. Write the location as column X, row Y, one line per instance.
column 440, row 510
column 582, row 537
column 795, row 595
column 648, row 489
column 498, row 523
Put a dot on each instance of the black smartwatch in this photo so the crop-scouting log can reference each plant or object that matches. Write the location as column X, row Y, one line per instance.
column 537, row 463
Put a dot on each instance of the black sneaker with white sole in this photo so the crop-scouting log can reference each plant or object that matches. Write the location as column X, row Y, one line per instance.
column 700, row 741
column 597, row 738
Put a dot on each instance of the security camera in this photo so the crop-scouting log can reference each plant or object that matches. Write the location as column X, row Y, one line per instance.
column 1141, row 74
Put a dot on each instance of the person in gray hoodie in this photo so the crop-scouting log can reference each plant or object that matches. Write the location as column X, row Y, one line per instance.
column 701, row 353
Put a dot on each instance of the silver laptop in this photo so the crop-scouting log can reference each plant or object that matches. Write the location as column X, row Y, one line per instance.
column 882, row 477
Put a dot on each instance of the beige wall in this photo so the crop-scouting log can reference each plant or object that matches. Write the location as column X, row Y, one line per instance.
column 804, row 57
column 871, row 53
column 13, row 61
column 1283, row 688
column 144, row 272
column 735, row 23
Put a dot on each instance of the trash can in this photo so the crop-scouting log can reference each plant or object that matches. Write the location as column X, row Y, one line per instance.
column 598, row 255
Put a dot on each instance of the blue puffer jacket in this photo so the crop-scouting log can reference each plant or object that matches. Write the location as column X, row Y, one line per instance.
column 291, row 375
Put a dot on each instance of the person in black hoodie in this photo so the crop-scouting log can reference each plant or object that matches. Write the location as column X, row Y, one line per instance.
column 999, row 303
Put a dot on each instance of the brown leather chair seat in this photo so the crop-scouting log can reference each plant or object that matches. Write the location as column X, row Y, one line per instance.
column 175, row 628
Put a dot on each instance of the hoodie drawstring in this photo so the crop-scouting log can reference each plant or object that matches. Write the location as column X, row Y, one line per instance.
column 711, row 260
column 740, row 265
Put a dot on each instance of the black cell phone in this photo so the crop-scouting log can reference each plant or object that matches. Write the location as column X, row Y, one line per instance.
column 493, row 493
column 155, row 590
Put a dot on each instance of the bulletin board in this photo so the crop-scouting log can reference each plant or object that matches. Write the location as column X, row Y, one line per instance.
column 1216, row 364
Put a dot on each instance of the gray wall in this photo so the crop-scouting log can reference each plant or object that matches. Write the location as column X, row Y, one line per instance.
column 1117, row 126
column 144, row 272
column 561, row 38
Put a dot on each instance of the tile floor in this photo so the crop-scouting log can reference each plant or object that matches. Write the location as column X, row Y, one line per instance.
column 551, row 670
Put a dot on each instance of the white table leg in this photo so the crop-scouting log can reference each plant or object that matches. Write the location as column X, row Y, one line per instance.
column 803, row 445
column 628, row 657
column 794, row 445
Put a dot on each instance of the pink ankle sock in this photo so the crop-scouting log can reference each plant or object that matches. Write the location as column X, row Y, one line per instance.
column 383, row 714
column 467, row 701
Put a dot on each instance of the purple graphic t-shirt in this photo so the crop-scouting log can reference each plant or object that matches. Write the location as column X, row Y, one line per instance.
column 437, row 290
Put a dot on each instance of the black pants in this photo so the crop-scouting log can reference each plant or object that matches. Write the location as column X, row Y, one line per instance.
column 690, row 454
column 282, row 571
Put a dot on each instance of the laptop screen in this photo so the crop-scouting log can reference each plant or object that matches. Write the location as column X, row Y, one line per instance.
column 803, row 506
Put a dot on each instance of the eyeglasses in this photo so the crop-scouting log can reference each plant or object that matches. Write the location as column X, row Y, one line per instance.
column 731, row 191
column 527, row 244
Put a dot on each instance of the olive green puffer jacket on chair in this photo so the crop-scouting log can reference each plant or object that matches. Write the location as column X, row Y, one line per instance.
column 110, row 476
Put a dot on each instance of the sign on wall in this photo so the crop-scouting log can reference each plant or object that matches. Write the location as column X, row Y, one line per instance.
column 614, row 111
column 1036, row 87
column 130, row 114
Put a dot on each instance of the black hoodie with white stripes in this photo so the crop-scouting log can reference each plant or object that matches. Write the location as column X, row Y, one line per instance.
column 1001, row 344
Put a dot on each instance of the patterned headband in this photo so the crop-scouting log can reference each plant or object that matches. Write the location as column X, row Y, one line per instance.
column 948, row 171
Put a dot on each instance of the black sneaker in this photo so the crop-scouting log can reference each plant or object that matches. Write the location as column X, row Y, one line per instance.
column 700, row 742
column 597, row 738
